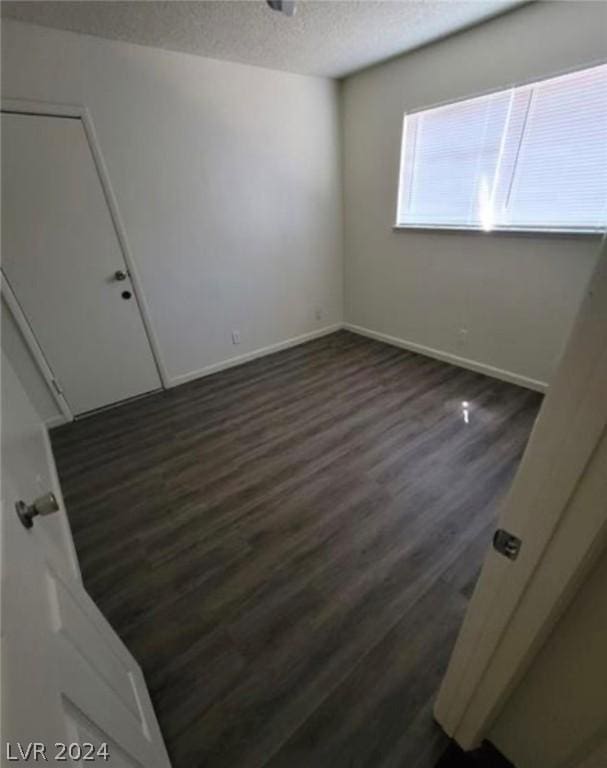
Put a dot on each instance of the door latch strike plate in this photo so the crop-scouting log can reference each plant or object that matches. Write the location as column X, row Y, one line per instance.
column 506, row 544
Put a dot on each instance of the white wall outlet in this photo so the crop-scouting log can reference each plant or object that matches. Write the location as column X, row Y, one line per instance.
column 318, row 313
column 462, row 337
column 235, row 337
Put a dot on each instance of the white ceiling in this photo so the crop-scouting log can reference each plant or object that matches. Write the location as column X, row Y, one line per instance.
column 325, row 37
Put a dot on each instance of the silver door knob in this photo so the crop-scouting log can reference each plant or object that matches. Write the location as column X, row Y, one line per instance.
column 43, row 505
column 120, row 275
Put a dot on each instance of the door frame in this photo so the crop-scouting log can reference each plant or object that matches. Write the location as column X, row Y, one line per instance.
column 40, row 108
column 32, row 343
column 515, row 606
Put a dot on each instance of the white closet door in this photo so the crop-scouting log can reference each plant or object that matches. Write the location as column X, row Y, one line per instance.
column 61, row 255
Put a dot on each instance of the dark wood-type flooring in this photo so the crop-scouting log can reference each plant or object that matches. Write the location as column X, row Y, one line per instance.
column 288, row 547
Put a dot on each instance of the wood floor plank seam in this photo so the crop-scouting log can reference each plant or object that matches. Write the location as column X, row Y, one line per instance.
column 288, row 546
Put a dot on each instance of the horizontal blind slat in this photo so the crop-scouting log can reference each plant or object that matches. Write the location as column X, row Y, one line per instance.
column 529, row 156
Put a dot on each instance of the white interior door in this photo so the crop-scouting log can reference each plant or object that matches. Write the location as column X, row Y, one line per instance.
column 60, row 254
column 66, row 676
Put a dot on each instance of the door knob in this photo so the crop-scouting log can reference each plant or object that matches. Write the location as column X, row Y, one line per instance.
column 43, row 505
column 120, row 275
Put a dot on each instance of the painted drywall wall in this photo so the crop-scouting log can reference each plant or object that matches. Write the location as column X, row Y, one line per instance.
column 227, row 178
column 514, row 295
column 559, row 710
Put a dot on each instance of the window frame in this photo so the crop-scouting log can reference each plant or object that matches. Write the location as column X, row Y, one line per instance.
column 520, row 230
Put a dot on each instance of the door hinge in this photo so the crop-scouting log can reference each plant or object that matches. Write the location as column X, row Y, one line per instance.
column 506, row 544
column 56, row 386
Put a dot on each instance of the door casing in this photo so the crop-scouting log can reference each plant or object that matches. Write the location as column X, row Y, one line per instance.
column 19, row 106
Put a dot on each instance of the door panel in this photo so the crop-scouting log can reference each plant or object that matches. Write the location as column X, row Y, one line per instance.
column 74, row 629
column 66, row 676
column 82, row 730
column 60, row 252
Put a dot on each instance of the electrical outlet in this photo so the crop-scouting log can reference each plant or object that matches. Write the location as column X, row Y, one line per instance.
column 235, row 337
column 462, row 337
column 318, row 313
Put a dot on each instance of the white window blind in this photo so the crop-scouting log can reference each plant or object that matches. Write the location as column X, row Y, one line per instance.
column 527, row 158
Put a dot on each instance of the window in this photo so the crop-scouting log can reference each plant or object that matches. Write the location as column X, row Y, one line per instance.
column 528, row 158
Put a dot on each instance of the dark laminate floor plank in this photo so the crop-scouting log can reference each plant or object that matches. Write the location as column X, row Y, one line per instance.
column 398, row 677
column 288, row 546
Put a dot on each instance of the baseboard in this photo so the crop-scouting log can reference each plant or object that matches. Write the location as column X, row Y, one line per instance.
column 448, row 357
column 248, row 356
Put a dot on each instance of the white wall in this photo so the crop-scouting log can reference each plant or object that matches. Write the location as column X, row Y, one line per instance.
column 516, row 295
column 227, row 177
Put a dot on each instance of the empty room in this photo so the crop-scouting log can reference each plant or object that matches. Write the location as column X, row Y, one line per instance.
column 304, row 383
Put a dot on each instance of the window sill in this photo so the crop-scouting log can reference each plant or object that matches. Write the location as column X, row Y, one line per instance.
column 517, row 231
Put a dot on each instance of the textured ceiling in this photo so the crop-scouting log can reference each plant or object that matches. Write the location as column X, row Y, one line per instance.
column 325, row 37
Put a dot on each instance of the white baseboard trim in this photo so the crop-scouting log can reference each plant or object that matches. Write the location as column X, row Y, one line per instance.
column 448, row 357
column 174, row 381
